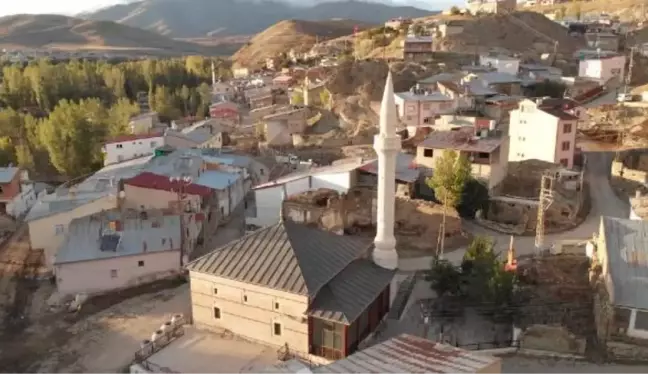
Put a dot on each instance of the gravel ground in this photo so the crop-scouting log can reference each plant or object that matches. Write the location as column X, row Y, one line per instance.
column 522, row 364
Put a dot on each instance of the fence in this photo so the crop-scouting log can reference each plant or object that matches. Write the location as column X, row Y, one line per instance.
column 149, row 349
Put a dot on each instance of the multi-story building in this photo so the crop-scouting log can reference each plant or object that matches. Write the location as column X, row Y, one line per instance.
column 487, row 150
column 420, row 107
column 418, row 48
column 127, row 147
column 602, row 67
column 545, row 130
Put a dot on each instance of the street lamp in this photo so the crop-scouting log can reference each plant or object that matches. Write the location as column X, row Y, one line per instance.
column 181, row 182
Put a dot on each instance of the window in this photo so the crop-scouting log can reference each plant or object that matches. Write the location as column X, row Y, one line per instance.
column 140, row 263
column 276, row 306
column 276, row 328
column 641, row 320
column 215, row 291
column 428, row 152
column 567, row 128
column 59, row 229
column 565, row 146
column 217, row 313
column 483, row 155
column 409, row 118
column 564, row 162
column 113, row 273
column 261, row 171
column 153, row 144
column 245, row 298
column 120, row 146
column 427, row 120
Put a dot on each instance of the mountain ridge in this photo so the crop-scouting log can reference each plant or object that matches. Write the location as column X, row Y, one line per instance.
column 200, row 18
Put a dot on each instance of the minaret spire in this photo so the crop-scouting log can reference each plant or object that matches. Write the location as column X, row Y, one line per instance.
column 387, row 144
column 213, row 71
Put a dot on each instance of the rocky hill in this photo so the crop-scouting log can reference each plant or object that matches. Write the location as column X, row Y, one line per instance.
column 200, row 18
column 298, row 35
column 69, row 33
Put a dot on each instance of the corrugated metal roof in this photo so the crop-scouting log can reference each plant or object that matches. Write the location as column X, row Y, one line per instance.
column 461, row 141
column 410, row 354
column 350, row 292
column 7, row 174
column 156, row 233
column 160, row 182
column 627, row 252
column 287, row 256
column 405, row 168
column 217, row 180
column 330, row 169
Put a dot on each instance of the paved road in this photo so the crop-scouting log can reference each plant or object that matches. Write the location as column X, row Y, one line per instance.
column 604, row 202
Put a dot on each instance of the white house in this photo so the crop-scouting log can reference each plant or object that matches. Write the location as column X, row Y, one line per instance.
column 603, row 67
column 545, row 130
column 131, row 146
column 143, row 123
column 501, row 63
column 265, row 200
column 116, row 249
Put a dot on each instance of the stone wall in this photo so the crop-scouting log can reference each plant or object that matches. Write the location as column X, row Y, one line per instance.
column 553, row 339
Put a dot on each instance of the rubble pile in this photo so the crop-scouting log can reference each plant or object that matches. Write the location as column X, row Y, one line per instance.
column 557, row 291
column 523, row 178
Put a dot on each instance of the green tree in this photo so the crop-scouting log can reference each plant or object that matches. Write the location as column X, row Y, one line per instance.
column 451, row 172
column 73, row 135
column 444, row 278
column 325, row 98
column 119, row 116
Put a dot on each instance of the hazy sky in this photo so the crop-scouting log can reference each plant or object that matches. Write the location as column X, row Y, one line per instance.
column 70, row 7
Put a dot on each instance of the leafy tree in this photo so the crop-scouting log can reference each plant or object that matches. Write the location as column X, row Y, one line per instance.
column 445, row 278
column 73, row 135
column 325, row 98
column 474, row 197
column 451, row 172
column 119, row 116
column 455, row 10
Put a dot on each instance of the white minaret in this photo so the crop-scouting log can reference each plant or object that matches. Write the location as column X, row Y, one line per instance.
column 213, row 71
column 387, row 145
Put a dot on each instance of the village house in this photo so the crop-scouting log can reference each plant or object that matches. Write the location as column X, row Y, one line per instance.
column 450, row 27
column 603, row 41
column 397, row 23
column 502, row 83
column 431, row 82
column 225, row 110
column 17, row 194
column 311, row 292
column 400, row 354
column 49, row 218
column 189, row 181
column 143, row 123
column 602, row 67
column 418, row 48
column 468, row 94
column 130, row 146
column 311, row 92
column 204, row 134
column 491, row 6
column 294, row 118
column 420, row 107
column 221, row 89
column 537, row 73
column 545, row 130
column 499, row 107
column 283, row 81
column 260, row 101
column 114, row 249
column 240, row 72
column 486, row 149
column 501, row 63
column 622, row 254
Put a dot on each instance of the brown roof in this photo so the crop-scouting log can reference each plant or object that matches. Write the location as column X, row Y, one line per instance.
column 462, row 140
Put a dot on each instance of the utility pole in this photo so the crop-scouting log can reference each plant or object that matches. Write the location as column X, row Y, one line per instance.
column 545, row 200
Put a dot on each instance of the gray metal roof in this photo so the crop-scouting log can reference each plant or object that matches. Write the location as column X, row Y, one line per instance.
column 7, row 174
column 627, row 252
column 87, row 235
column 286, row 256
column 349, row 294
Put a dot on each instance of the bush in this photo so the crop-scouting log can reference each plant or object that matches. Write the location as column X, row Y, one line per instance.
column 455, row 10
column 473, row 198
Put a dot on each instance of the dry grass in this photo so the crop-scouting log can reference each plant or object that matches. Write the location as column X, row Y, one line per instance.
column 624, row 9
column 62, row 32
column 291, row 34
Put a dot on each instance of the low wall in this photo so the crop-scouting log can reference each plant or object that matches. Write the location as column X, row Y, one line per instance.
column 619, row 170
